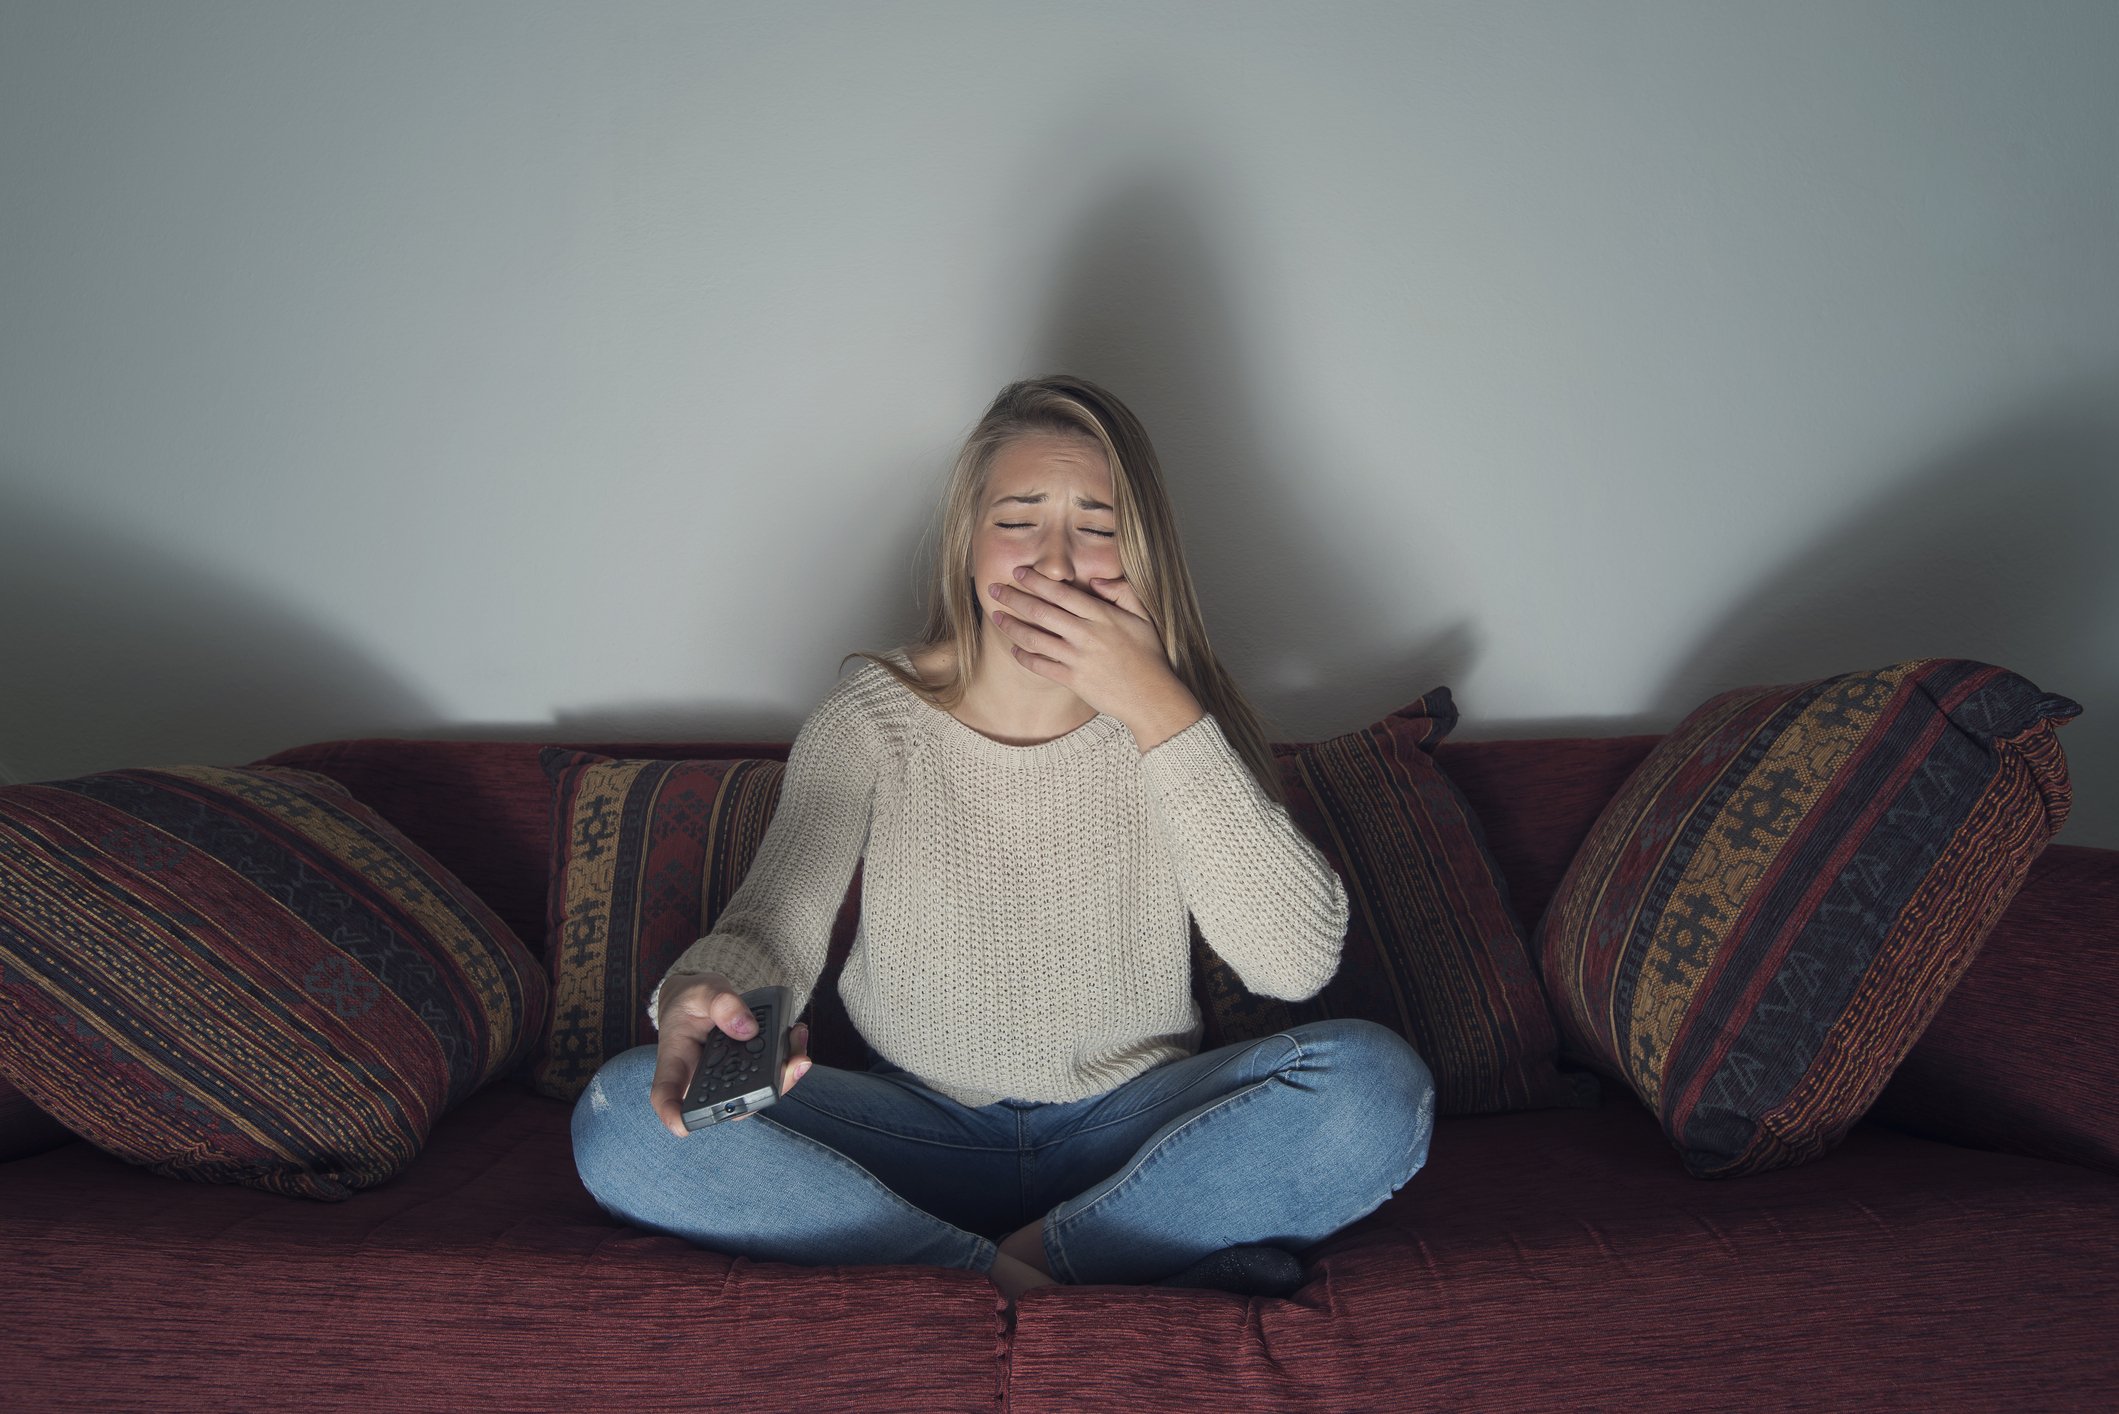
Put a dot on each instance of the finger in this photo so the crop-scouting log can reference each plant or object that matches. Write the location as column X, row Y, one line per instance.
column 1041, row 590
column 798, row 1059
column 1120, row 591
column 1026, row 607
column 727, row 1011
column 1028, row 636
column 674, row 1064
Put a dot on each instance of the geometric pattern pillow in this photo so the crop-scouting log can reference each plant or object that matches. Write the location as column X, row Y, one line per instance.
column 1433, row 950
column 645, row 855
column 1770, row 910
column 243, row 975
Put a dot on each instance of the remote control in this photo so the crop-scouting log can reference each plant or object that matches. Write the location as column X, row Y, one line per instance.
column 741, row 1077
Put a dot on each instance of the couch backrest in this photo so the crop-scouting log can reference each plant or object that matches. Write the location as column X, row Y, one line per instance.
column 2024, row 1055
column 484, row 808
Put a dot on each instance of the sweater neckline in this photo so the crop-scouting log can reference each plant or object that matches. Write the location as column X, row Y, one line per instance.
column 1085, row 739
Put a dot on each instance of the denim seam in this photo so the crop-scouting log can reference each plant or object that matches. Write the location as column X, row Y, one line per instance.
column 1055, row 1245
column 1189, row 1086
column 856, row 1122
column 980, row 1245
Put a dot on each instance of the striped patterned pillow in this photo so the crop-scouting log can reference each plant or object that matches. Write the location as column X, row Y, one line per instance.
column 645, row 855
column 243, row 975
column 1433, row 948
column 1768, row 913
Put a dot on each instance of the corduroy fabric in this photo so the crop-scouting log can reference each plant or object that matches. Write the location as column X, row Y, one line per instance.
column 1766, row 916
column 1433, row 949
column 645, row 855
column 245, row 976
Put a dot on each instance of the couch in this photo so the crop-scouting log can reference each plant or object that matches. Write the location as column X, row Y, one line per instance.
column 1959, row 1249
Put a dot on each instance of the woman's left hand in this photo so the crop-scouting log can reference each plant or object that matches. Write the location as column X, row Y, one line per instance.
column 1101, row 645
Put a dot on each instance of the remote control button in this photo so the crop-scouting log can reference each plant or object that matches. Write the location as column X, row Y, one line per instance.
column 755, row 1045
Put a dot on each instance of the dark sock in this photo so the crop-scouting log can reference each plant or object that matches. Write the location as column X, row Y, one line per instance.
column 1247, row 1271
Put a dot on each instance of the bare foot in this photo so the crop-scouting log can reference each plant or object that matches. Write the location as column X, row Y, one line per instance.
column 1014, row 1278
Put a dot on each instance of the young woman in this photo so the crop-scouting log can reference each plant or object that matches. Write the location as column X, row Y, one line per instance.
column 1042, row 788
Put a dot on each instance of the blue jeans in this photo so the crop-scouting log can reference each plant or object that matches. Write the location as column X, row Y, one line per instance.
column 1280, row 1141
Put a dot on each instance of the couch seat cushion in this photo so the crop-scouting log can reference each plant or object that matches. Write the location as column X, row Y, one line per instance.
column 1560, row 1260
column 483, row 1277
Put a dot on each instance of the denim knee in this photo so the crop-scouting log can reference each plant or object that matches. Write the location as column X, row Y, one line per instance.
column 615, row 1102
column 1384, row 1084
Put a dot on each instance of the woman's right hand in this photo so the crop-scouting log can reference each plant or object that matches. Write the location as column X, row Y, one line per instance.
column 694, row 1006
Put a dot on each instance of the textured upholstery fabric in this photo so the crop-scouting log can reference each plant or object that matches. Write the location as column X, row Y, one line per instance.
column 645, row 854
column 245, row 976
column 2024, row 1055
column 484, row 809
column 1433, row 949
column 1543, row 1259
column 1558, row 1259
column 1767, row 914
column 484, row 1277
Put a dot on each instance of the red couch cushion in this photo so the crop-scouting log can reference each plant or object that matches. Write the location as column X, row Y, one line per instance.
column 2024, row 1054
column 1561, row 1260
column 1549, row 1256
column 484, row 1277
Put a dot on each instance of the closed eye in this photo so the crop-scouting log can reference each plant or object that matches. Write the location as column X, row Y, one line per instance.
column 1025, row 525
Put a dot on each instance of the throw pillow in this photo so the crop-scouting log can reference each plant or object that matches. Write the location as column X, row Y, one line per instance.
column 1768, row 913
column 645, row 855
column 1433, row 948
column 243, row 975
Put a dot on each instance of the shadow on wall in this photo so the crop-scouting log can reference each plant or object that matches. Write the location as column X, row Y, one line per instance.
column 1140, row 304
column 118, row 653
column 2002, row 553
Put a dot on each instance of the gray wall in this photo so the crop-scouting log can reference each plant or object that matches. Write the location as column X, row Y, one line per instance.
column 544, row 370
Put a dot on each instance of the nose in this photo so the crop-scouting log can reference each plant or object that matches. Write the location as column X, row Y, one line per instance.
column 1054, row 559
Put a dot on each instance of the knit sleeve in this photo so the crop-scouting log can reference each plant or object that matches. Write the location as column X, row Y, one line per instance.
column 776, row 928
column 1265, row 898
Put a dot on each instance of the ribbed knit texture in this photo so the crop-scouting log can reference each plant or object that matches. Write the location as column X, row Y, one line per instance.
column 1023, row 928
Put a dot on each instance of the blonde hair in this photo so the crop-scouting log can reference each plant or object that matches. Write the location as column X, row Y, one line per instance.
column 1150, row 555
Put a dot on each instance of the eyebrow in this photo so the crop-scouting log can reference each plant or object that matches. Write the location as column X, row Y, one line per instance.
column 1083, row 501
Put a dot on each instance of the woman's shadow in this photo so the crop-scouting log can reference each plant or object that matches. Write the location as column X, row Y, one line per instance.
column 1999, row 552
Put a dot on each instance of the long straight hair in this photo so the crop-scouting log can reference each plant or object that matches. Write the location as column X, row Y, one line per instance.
column 1150, row 555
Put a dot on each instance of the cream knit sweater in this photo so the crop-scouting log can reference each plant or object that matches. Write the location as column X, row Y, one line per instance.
column 1022, row 919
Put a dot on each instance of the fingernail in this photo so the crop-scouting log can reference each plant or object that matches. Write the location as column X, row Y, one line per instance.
column 1021, row 570
column 801, row 1070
